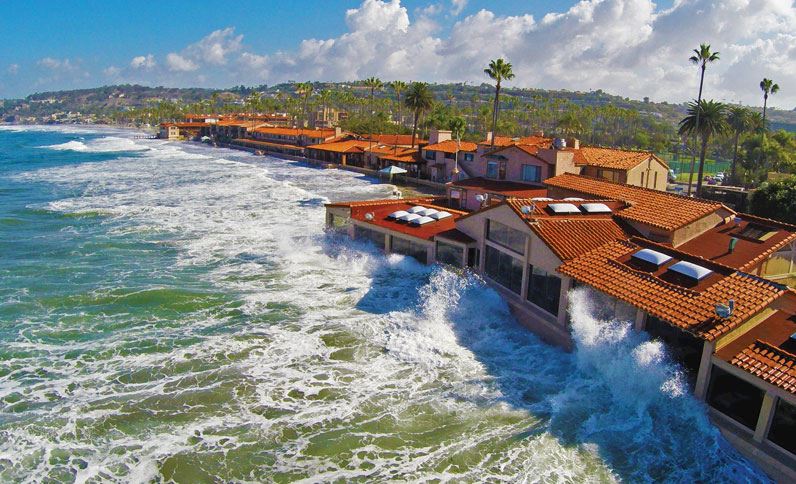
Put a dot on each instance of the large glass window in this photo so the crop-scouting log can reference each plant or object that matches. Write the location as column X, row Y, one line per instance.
column 362, row 233
column 544, row 289
column 431, row 155
column 783, row 426
column 503, row 269
column 506, row 236
column 468, row 157
column 412, row 249
column 735, row 398
column 449, row 254
column 491, row 169
column 531, row 173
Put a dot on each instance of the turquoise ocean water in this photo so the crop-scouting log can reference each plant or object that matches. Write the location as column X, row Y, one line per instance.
column 176, row 312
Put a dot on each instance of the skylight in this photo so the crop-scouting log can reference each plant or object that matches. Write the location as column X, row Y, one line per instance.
column 542, row 199
column 421, row 220
column 409, row 217
column 573, row 199
column 562, row 208
column 690, row 270
column 440, row 215
column 398, row 214
column 652, row 256
column 416, row 208
column 595, row 208
column 426, row 212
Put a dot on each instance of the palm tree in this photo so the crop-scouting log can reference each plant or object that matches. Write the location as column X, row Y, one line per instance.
column 373, row 83
column 399, row 87
column 702, row 57
column 304, row 90
column 705, row 119
column 419, row 99
column 768, row 87
column 498, row 70
column 457, row 127
column 570, row 124
column 740, row 122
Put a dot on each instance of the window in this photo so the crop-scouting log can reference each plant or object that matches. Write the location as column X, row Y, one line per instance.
column 503, row 269
column 505, row 236
column 431, row 155
column 502, row 171
column 362, row 233
column 412, row 249
column 735, row 398
column 449, row 254
column 783, row 426
column 448, row 156
column 611, row 175
column 491, row 169
column 468, row 157
column 642, row 178
column 544, row 289
column 531, row 173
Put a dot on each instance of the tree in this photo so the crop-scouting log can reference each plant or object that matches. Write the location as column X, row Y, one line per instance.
column 373, row 83
column 768, row 87
column 399, row 87
column 705, row 119
column 739, row 122
column 702, row 57
column 498, row 70
column 304, row 90
column 570, row 124
column 419, row 100
column 776, row 200
column 457, row 126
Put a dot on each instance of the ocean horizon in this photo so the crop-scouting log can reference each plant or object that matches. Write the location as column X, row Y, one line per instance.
column 175, row 311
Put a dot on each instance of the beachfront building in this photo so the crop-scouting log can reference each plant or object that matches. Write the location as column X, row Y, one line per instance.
column 440, row 156
column 475, row 193
column 345, row 152
column 705, row 280
column 182, row 131
column 286, row 141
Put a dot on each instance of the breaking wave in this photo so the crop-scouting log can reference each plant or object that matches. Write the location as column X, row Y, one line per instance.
column 106, row 144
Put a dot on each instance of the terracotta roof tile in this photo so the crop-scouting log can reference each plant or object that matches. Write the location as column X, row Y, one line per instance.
column 348, row 146
column 691, row 309
column 613, row 158
column 769, row 363
column 310, row 133
column 650, row 207
column 449, row 146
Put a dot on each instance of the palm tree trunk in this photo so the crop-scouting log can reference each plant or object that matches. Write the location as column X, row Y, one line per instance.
column 495, row 112
column 762, row 146
column 696, row 134
column 414, row 128
column 702, row 154
column 734, row 158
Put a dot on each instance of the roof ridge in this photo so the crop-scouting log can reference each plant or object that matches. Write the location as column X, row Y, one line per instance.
column 773, row 348
column 771, row 221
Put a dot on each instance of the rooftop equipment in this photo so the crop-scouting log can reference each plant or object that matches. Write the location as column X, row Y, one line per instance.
column 725, row 310
column 440, row 215
column 398, row 214
column 559, row 143
column 595, row 208
column 426, row 212
column 690, row 270
column 416, row 209
column 421, row 220
column 369, row 216
column 563, row 208
column 652, row 256
column 409, row 217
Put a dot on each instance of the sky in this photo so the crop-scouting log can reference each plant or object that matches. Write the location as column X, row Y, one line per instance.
column 633, row 48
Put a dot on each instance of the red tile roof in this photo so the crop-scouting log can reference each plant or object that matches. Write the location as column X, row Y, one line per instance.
column 394, row 139
column 748, row 253
column 310, row 133
column 187, row 125
column 402, row 155
column 693, row 310
column 614, row 158
column 525, row 140
column 348, row 146
column 650, row 207
column 449, row 146
column 265, row 144
column 769, row 363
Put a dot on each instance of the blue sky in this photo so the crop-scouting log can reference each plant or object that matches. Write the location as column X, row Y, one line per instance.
column 60, row 45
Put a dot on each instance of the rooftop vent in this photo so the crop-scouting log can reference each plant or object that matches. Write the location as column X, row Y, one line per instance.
column 369, row 216
column 440, row 215
column 398, row 214
column 416, row 209
column 562, row 208
column 421, row 220
column 652, row 256
column 527, row 209
column 690, row 270
column 542, row 199
column 595, row 208
column 409, row 217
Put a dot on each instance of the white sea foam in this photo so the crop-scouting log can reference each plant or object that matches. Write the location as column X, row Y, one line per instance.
column 334, row 362
column 106, row 144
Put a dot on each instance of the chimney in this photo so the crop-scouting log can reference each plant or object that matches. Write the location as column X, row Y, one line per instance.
column 489, row 136
column 574, row 143
column 338, row 131
column 438, row 136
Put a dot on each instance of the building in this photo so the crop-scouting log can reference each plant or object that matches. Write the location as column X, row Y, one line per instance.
column 286, row 141
column 707, row 281
column 326, row 117
column 475, row 193
column 440, row 156
column 186, row 130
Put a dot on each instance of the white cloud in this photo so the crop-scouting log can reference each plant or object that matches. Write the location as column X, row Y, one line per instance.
column 215, row 48
column 176, row 62
column 458, row 6
column 112, row 71
column 143, row 62
column 57, row 64
column 13, row 69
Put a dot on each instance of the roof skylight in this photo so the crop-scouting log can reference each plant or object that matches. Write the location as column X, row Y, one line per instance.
column 652, row 256
column 397, row 214
column 409, row 217
column 421, row 220
column 440, row 215
column 563, row 208
column 690, row 270
column 595, row 208
column 416, row 209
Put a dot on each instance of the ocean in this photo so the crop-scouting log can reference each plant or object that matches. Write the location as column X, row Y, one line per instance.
column 176, row 312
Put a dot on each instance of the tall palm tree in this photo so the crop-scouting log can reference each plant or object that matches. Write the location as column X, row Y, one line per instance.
column 739, row 122
column 419, row 99
column 498, row 70
column 706, row 119
column 399, row 87
column 702, row 57
column 304, row 90
column 457, row 126
column 768, row 87
column 373, row 83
